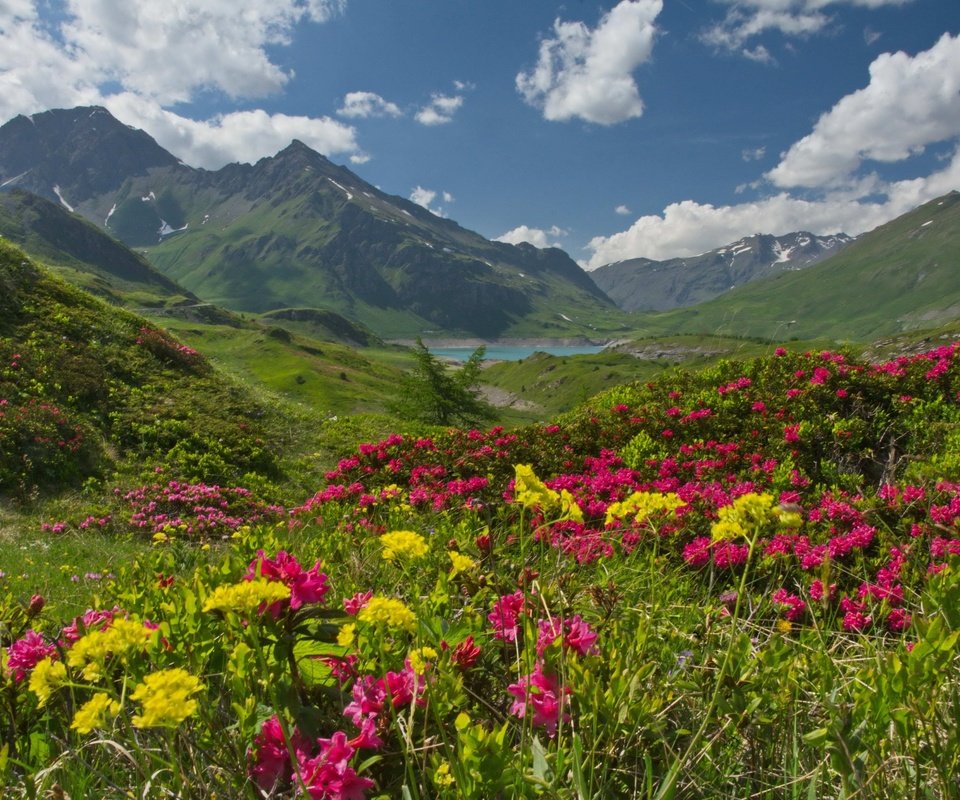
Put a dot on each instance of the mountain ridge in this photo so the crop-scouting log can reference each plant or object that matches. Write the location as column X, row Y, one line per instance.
column 296, row 230
column 643, row 284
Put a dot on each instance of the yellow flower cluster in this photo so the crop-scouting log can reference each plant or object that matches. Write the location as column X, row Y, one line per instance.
column 166, row 698
column 642, row 505
column 405, row 544
column 460, row 562
column 531, row 492
column 389, row 612
column 122, row 638
column 745, row 513
column 420, row 657
column 94, row 713
column 246, row 597
column 47, row 676
column 442, row 776
column 347, row 634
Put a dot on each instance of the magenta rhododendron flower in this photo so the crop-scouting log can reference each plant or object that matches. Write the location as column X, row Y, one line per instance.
column 505, row 615
column 306, row 586
column 352, row 605
column 25, row 653
column 465, row 654
column 542, row 694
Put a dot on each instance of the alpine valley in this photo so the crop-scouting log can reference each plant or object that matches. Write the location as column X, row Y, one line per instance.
column 296, row 231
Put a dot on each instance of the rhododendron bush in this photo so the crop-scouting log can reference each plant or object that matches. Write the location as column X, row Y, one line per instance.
column 736, row 583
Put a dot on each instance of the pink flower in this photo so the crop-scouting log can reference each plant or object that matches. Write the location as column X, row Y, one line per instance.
column 271, row 759
column 328, row 776
column 505, row 614
column 465, row 654
column 352, row 605
column 306, row 586
column 697, row 552
column 541, row 693
column 24, row 654
column 91, row 620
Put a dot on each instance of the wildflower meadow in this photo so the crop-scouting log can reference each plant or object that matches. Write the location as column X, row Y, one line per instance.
column 741, row 582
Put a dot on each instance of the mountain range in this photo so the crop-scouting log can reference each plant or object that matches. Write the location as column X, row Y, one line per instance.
column 902, row 276
column 295, row 230
column 307, row 244
column 642, row 284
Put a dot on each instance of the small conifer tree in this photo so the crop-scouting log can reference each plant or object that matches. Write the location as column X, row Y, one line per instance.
column 434, row 393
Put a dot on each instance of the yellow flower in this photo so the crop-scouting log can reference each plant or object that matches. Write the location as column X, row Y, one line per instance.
column 529, row 490
column 419, row 658
column 122, row 638
column 569, row 508
column 347, row 635
column 784, row 626
column 789, row 519
column 166, row 698
column 46, row 678
column 460, row 562
column 246, row 597
column 643, row 505
column 747, row 511
column 442, row 776
column 389, row 612
column 406, row 544
column 94, row 713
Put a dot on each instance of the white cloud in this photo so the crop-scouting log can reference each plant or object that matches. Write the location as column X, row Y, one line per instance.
column 689, row 228
column 440, row 109
column 241, row 136
column 587, row 73
column 746, row 19
column 910, row 102
column 425, row 197
column 622, row 210
column 367, row 104
column 535, row 236
column 164, row 52
column 753, row 153
column 169, row 49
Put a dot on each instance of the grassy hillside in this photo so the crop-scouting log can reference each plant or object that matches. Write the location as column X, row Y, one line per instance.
column 737, row 582
column 905, row 275
column 90, row 391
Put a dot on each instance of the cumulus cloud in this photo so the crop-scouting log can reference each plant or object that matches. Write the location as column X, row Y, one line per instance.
column 688, row 228
column 161, row 53
column 622, row 210
column 753, row 153
column 241, row 136
column 746, row 19
column 367, row 104
column 440, row 109
column 168, row 49
column 425, row 197
column 538, row 237
column 588, row 74
column 910, row 103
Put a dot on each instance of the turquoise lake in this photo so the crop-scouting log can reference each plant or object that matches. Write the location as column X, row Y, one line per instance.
column 514, row 352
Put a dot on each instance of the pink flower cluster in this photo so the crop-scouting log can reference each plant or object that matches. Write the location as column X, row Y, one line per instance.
column 321, row 769
column 540, row 691
column 201, row 509
column 307, row 586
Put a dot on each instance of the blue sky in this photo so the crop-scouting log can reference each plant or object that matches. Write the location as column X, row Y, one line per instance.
column 654, row 128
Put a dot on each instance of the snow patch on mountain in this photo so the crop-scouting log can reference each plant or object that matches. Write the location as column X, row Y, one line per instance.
column 66, row 205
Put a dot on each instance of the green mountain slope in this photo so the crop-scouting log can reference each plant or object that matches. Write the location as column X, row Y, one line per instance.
column 295, row 230
column 89, row 257
column 904, row 275
column 89, row 391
